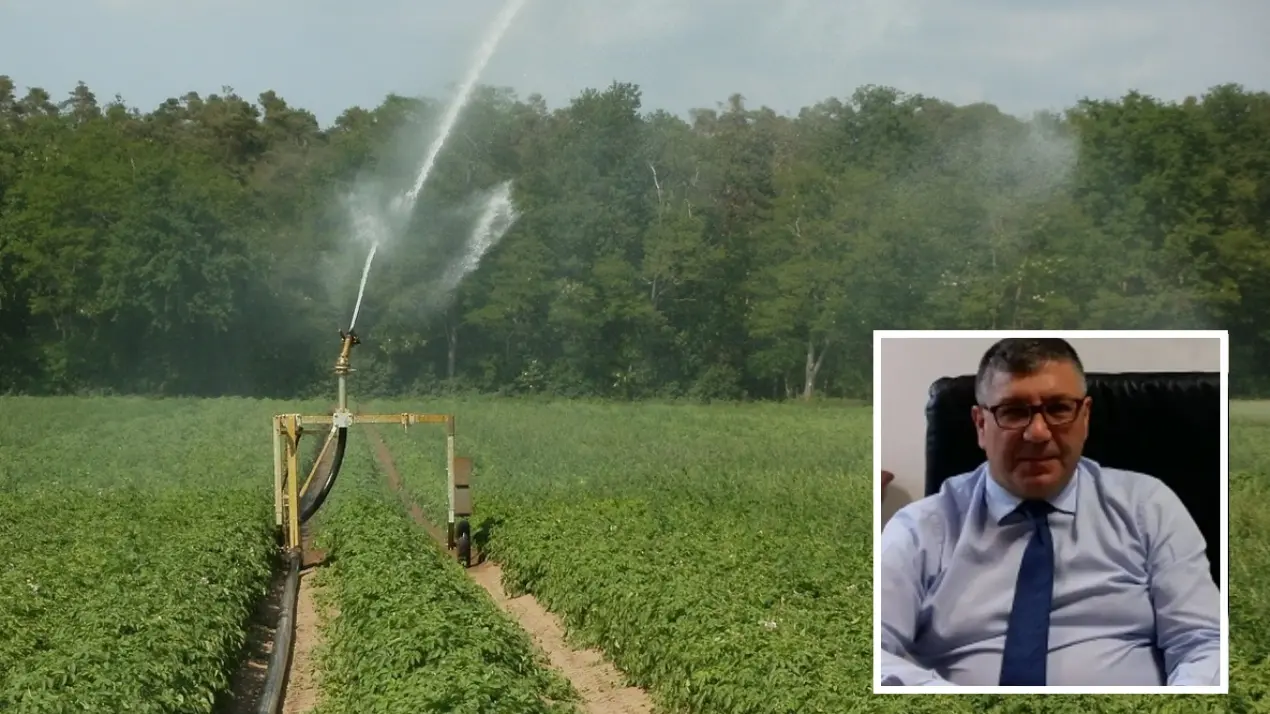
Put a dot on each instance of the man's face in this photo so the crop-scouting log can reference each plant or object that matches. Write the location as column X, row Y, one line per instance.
column 1033, row 455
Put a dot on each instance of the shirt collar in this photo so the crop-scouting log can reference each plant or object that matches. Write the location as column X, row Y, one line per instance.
column 1002, row 503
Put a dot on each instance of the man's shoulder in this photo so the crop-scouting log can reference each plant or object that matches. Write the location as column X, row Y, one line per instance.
column 1134, row 488
column 1148, row 502
column 949, row 503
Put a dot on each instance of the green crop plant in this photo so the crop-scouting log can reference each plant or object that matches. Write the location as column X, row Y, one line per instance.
column 136, row 540
column 721, row 555
column 413, row 633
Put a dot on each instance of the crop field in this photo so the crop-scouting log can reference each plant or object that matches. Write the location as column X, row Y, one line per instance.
column 413, row 633
column 720, row 556
column 135, row 540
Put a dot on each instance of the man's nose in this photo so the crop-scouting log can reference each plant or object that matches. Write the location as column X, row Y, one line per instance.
column 1037, row 429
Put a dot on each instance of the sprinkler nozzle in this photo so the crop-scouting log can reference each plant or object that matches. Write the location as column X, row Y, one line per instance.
column 347, row 339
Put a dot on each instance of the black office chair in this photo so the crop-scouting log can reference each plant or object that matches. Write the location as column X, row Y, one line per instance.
column 1166, row 424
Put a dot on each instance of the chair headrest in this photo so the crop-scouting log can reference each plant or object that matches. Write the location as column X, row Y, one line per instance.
column 1164, row 424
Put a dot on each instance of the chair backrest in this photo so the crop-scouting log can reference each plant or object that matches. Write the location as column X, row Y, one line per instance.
column 1165, row 424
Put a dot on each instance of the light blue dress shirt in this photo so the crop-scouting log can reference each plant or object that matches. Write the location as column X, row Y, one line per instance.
column 1134, row 601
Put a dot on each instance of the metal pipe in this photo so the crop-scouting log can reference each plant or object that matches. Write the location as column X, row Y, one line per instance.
column 293, row 487
column 343, row 400
column 449, row 467
column 277, row 472
column 331, row 437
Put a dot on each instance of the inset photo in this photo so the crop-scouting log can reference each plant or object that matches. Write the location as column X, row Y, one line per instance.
column 1051, row 513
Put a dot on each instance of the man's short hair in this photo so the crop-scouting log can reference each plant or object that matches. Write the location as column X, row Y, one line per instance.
column 1020, row 356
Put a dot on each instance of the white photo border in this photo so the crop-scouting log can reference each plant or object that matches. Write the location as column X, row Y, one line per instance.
column 1224, row 339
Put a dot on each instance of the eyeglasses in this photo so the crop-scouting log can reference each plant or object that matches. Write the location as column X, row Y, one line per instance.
column 1055, row 412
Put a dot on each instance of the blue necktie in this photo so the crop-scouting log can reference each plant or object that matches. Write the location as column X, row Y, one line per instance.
column 1027, row 635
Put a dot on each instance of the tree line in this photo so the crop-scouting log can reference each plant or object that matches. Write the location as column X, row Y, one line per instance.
column 203, row 248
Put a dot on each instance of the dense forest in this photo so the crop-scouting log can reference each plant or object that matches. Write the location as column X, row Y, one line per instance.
column 203, row 247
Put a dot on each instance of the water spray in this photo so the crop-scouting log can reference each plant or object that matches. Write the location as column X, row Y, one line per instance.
column 501, row 23
column 295, row 502
column 497, row 217
column 401, row 207
column 361, row 289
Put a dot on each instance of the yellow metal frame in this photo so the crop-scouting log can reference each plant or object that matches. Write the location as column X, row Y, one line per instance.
column 288, row 429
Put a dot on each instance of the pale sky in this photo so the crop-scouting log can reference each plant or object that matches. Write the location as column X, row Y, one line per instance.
column 327, row 55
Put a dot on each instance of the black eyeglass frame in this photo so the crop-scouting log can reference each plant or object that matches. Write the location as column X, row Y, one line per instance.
column 1034, row 409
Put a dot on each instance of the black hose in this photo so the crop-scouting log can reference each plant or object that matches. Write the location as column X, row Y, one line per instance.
column 315, row 495
column 280, row 658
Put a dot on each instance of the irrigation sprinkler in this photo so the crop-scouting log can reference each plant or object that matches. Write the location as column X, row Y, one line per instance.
column 296, row 502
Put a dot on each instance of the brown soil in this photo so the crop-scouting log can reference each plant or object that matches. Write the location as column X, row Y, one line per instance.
column 301, row 695
column 247, row 683
column 303, row 681
column 599, row 683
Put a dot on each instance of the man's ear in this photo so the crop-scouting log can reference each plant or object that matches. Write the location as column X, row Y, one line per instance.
column 977, row 415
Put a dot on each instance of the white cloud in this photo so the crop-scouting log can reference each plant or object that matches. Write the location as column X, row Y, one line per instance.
column 597, row 24
column 326, row 55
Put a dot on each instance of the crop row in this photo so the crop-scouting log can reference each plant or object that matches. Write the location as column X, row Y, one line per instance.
column 412, row 632
column 135, row 545
column 721, row 556
column 137, row 539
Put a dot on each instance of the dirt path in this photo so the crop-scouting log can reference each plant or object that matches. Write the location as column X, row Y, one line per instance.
column 303, row 680
column 301, row 695
column 596, row 680
column 248, row 681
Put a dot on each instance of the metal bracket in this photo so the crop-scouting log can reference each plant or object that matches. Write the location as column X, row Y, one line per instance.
column 289, row 428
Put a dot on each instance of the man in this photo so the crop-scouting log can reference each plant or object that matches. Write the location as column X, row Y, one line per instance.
column 1042, row 567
